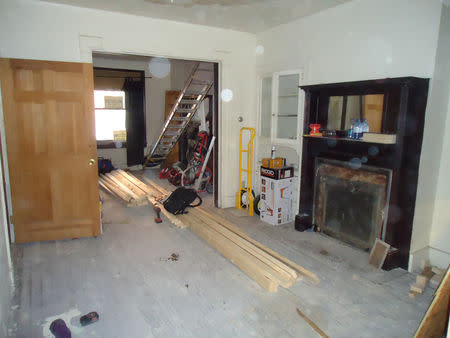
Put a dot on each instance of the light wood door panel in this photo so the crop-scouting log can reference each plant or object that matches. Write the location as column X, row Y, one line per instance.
column 50, row 137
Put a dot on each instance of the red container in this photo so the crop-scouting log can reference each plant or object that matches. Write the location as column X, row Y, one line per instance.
column 315, row 127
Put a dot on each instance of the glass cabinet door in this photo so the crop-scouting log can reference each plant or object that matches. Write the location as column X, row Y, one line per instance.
column 287, row 107
column 266, row 106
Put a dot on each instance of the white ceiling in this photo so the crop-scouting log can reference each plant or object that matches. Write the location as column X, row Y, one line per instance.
column 243, row 15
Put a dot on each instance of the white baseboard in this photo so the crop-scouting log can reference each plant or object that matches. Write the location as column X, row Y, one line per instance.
column 228, row 202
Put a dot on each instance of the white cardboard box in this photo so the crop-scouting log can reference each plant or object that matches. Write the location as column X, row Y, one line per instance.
column 276, row 195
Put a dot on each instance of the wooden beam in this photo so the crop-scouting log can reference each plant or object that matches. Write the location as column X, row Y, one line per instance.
column 310, row 275
column 130, row 185
column 116, row 189
column 286, row 272
column 144, row 187
column 235, row 254
column 232, row 227
column 122, row 186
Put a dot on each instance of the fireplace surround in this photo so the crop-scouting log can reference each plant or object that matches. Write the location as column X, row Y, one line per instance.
column 404, row 103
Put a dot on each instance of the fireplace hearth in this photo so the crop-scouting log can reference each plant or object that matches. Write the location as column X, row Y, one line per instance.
column 350, row 203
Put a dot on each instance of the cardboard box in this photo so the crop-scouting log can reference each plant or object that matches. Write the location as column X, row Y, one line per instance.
column 277, row 162
column 276, row 195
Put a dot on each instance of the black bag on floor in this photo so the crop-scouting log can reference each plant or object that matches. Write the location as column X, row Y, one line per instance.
column 181, row 199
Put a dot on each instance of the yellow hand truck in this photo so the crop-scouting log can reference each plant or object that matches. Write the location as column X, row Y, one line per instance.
column 244, row 196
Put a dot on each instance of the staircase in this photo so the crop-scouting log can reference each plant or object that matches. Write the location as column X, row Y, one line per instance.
column 184, row 109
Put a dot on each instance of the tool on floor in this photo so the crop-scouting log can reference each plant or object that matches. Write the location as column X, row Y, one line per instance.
column 59, row 328
column 158, row 218
column 184, row 109
column 89, row 318
column 245, row 194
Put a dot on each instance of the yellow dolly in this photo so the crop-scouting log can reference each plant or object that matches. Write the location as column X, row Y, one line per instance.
column 246, row 190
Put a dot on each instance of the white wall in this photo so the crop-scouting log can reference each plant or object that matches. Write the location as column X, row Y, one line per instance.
column 438, row 140
column 359, row 40
column 179, row 71
column 39, row 30
column 370, row 39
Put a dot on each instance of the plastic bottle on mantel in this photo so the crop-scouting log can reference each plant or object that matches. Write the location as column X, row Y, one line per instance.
column 365, row 128
column 352, row 129
column 358, row 130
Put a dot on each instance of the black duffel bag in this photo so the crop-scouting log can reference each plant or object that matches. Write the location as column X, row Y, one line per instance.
column 181, row 199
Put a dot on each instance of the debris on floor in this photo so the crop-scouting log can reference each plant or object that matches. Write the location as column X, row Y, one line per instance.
column 173, row 257
column 59, row 329
column 312, row 324
column 378, row 253
column 89, row 318
column 430, row 274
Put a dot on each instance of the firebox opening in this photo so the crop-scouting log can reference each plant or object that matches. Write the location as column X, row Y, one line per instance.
column 351, row 204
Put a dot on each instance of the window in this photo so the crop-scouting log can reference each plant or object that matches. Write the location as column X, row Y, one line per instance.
column 110, row 115
column 280, row 103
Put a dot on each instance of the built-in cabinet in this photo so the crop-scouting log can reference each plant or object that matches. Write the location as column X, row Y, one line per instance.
column 280, row 106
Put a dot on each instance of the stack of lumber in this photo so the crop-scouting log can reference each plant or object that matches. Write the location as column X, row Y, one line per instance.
column 128, row 188
column 268, row 268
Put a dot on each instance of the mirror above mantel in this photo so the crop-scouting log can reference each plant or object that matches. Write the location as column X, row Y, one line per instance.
column 343, row 109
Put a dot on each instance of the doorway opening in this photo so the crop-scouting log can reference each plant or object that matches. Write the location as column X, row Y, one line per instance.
column 162, row 80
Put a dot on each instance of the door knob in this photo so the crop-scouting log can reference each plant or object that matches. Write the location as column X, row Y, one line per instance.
column 91, row 161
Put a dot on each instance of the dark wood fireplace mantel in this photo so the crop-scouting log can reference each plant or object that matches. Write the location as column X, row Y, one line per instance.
column 403, row 114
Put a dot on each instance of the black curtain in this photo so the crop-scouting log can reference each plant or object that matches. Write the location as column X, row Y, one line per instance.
column 135, row 120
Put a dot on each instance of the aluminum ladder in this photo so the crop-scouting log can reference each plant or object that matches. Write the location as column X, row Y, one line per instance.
column 182, row 112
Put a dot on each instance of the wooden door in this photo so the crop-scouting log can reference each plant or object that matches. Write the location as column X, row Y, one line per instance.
column 51, row 146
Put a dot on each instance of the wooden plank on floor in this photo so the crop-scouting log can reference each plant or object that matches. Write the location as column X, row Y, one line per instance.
column 144, row 187
column 235, row 254
column 130, row 185
column 378, row 253
column 123, row 187
column 310, row 275
column 304, row 272
column 116, row 189
column 263, row 256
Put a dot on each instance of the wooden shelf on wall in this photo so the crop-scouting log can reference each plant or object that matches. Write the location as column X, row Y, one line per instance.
column 379, row 141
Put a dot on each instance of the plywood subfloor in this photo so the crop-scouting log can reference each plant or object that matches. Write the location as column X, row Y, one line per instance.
column 127, row 277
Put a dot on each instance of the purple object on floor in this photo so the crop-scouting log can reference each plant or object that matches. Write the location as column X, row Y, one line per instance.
column 59, row 328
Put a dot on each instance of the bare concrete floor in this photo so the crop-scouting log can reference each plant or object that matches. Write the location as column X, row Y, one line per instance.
column 127, row 277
